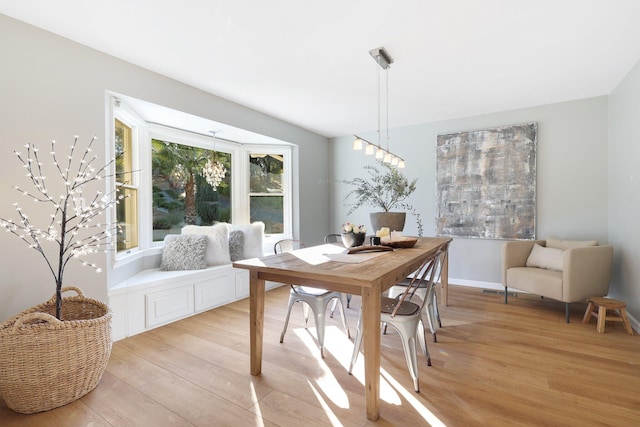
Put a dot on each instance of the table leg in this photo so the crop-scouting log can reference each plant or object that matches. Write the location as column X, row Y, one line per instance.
column 444, row 279
column 256, row 319
column 371, row 343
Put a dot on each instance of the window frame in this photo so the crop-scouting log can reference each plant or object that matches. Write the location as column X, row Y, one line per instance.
column 144, row 132
column 129, row 118
column 286, row 154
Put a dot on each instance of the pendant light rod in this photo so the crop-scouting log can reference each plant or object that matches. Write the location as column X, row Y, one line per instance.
column 384, row 60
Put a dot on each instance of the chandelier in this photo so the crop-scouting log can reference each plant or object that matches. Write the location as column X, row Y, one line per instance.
column 213, row 170
column 384, row 60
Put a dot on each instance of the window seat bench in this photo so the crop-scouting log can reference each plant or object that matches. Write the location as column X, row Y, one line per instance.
column 153, row 297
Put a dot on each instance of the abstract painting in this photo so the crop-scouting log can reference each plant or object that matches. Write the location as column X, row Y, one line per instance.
column 486, row 183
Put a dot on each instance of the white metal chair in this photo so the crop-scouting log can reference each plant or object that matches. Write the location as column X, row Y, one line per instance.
column 430, row 296
column 406, row 316
column 333, row 238
column 315, row 299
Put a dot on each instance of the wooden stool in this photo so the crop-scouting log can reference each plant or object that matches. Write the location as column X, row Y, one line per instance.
column 604, row 304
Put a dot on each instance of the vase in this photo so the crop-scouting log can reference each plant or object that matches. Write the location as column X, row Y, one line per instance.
column 350, row 240
column 394, row 221
column 45, row 362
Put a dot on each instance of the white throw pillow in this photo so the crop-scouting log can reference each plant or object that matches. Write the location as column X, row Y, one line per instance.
column 568, row 244
column 182, row 252
column 548, row 258
column 217, row 245
column 252, row 238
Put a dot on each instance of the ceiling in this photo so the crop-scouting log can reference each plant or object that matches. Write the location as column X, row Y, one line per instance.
column 308, row 63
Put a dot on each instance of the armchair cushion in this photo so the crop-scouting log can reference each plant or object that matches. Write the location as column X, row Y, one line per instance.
column 547, row 258
column 537, row 280
column 568, row 244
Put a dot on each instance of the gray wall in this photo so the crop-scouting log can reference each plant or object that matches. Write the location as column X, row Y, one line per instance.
column 624, row 189
column 572, row 179
column 52, row 88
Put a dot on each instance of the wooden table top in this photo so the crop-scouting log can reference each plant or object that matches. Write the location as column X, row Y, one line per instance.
column 327, row 266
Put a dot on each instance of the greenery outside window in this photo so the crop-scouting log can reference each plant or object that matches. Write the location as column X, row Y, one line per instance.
column 267, row 191
column 191, row 185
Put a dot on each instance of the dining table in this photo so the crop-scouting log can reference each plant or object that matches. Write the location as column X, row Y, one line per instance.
column 368, row 272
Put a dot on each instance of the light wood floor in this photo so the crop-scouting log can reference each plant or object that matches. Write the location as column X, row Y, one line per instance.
column 493, row 365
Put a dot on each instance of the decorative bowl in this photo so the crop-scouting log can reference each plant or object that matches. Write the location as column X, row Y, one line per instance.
column 350, row 240
column 402, row 242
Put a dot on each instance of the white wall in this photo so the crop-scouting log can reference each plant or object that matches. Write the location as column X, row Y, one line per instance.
column 624, row 189
column 52, row 88
column 572, row 176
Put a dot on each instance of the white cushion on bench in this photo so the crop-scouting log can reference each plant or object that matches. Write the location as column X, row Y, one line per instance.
column 218, row 241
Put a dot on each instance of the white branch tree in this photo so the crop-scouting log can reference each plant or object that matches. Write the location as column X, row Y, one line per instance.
column 74, row 226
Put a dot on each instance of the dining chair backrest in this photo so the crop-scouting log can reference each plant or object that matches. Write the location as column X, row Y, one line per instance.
column 287, row 245
column 333, row 238
column 426, row 276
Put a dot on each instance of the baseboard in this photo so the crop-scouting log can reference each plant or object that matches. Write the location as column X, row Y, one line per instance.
column 476, row 284
column 635, row 324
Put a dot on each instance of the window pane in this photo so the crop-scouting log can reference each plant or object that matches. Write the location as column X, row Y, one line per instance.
column 270, row 210
column 127, row 217
column 191, row 185
column 127, row 208
column 123, row 152
column 266, row 173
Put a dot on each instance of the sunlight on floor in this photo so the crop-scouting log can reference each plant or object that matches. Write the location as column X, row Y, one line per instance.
column 338, row 346
column 327, row 382
column 387, row 392
column 409, row 395
column 323, row 404
column 254, row 398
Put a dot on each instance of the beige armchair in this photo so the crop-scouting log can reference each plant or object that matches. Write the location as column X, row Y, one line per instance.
column 567, row 271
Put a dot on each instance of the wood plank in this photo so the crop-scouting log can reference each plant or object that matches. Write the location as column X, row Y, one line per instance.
column 494, row 364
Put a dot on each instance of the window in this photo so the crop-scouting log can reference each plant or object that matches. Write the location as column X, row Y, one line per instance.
column 191, row 185
column 127, row 208
column 185, row 177
column 266, row 191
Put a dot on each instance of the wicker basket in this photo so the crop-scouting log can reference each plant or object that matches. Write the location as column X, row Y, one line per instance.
column 46, row 363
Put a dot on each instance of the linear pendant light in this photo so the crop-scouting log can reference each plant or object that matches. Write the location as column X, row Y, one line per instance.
column 384, row 60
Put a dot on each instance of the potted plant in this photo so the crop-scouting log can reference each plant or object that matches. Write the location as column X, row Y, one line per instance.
column 56, row 352
column 353, row 235
column 386, row 189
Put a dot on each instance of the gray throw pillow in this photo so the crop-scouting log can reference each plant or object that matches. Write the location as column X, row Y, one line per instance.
column 236, row 245
column 252, row 238
column 184, row 252
column 217, row 241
